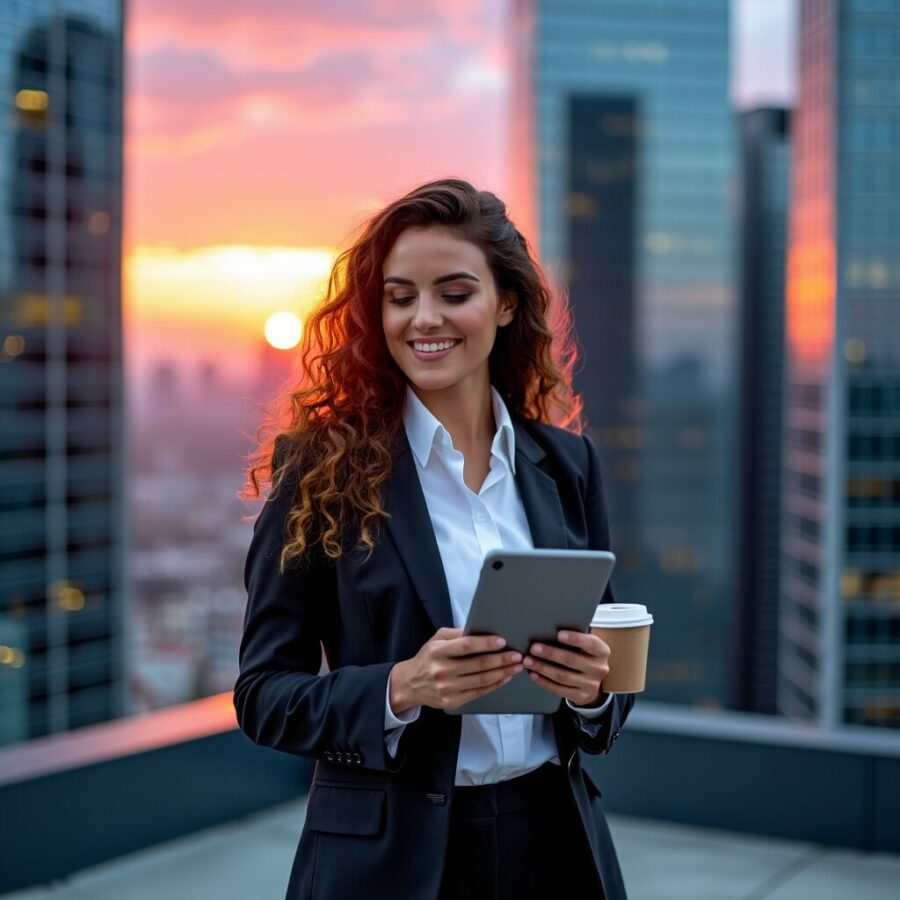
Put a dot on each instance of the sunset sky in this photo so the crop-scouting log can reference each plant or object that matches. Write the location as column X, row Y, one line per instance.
column 258, row 137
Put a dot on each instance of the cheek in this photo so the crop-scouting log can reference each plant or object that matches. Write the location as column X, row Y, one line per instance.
column 388, row 322
column 480, row 326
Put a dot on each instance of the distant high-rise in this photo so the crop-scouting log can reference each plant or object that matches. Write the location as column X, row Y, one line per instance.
column 765, row 169
column 840, row 568
column 623, row 118
column 61, row 496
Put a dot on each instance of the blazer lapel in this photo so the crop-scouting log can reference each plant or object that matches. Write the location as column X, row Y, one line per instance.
column 412, row 532
column 410, row 527
column 540, row 496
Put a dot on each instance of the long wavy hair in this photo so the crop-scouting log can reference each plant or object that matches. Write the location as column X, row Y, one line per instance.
column 336, row 429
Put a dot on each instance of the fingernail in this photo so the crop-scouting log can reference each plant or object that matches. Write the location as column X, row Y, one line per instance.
column 564, row 635
column 528, row 660
column 537, row 648
column 499, row 642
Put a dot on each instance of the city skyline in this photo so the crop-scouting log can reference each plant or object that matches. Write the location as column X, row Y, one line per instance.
column 227, row 216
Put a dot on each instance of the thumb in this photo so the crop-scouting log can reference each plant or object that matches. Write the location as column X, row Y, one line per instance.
column 446, row 634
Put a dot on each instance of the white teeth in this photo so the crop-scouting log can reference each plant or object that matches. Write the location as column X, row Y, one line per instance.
column 432, row 348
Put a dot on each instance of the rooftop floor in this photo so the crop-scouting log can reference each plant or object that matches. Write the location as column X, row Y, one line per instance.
column 660, row 861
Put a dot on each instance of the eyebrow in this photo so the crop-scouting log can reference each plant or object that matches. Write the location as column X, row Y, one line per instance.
column 453, row 276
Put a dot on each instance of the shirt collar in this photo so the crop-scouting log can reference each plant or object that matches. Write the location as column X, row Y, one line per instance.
column 424, row 429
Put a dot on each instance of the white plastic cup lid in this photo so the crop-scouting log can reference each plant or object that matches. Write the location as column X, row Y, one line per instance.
column 621, row 615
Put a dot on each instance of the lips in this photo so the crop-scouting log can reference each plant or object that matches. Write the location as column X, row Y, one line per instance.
column 429, row 355
column 438, row 340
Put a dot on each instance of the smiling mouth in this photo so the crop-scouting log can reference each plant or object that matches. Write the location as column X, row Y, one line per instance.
column 433, row 346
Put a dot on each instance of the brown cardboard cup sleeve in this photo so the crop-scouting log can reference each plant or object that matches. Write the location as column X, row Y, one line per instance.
column 625, row 627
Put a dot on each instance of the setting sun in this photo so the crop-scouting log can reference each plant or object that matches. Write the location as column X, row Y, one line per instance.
column 283, row 330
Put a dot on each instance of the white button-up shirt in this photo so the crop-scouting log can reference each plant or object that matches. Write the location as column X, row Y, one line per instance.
column 466, row 525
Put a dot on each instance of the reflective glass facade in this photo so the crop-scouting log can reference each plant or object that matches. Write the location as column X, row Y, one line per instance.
column 634, row 145
column 840, row 578
column 61, row 517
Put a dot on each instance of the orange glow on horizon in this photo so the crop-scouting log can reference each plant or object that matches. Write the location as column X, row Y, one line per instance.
column 240, row 286
column 213, row 302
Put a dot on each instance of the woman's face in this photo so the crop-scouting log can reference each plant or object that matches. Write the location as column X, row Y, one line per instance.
column 439, row 289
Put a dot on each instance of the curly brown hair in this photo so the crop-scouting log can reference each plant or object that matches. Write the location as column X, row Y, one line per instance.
column 338, row 427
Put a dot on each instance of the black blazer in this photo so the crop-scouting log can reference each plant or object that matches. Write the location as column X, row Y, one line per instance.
column 377, row 826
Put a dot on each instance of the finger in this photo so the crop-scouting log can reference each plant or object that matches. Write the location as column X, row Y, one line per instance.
column 480, row 643
column 549, row 684
column 579, row 697
column 565, row 677
column 446, row 634
column 466, row 696
column 579, row 662
column 489, row 677
column 482, row 662
column 586, row 641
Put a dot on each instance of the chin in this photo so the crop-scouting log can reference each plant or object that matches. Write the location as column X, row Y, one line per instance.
column 433, row 383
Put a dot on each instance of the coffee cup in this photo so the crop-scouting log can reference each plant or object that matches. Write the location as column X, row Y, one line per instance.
column 625, row 627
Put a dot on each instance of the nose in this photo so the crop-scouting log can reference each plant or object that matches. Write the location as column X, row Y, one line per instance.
column 427, row 314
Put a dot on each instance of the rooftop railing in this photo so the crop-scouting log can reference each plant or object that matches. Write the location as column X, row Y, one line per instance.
column 77, row 799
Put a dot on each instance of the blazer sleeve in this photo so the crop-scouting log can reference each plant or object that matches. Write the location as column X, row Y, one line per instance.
column 281, row 699
column 598, row 735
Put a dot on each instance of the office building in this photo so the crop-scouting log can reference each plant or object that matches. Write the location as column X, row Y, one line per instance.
column 765, row 170
column 840, row 568
column 62, row 527
column 624, row 121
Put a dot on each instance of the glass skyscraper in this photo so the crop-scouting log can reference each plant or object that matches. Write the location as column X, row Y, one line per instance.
column 840, row 569
column 625, row 126
column 61, row 440
column 765, row 171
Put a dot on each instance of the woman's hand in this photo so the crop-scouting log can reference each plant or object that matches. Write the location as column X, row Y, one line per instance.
column 574, row 674
column 444, row 674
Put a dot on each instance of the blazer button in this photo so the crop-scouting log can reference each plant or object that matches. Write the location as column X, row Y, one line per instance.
column 338, row 756
column 329, row 755
column 357, row 759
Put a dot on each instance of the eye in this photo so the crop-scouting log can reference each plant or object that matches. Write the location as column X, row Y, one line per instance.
column 400, row 301
column 456, row 298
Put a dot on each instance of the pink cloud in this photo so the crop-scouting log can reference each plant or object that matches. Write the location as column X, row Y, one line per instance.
column 276, row 127
column 301, row 188
column 289, row 36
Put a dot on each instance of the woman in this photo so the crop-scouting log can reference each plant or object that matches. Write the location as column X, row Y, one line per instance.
column 419, row 439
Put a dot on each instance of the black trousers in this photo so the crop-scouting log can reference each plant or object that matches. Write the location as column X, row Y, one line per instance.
column 520, row 839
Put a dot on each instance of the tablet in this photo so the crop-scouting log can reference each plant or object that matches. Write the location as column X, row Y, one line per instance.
column 527, row 596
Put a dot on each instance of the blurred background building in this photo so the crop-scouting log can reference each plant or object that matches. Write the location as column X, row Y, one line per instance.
column 840, row 573
column 765, row 189
column 633, row 137
column 62, row 529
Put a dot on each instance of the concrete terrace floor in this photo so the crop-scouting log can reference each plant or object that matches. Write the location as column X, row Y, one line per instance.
column 250, row 860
